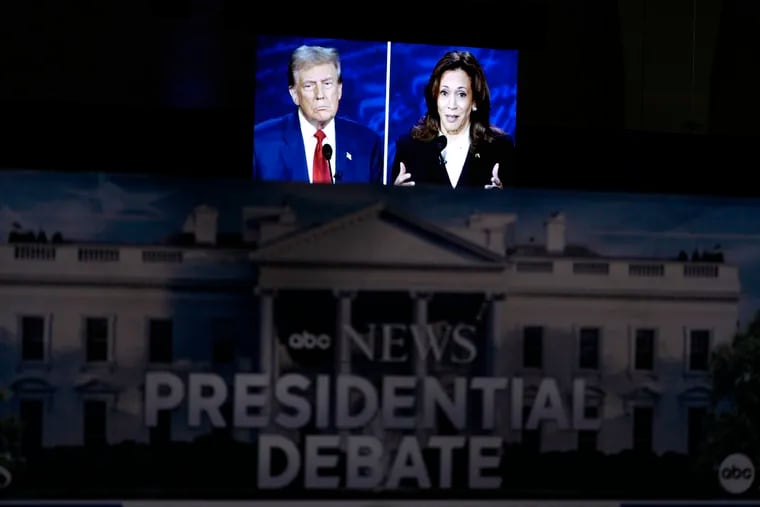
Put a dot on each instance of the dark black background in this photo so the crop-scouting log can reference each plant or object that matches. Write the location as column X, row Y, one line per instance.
column 629, row 95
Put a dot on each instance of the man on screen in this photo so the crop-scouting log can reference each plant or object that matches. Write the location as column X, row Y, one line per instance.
column 311, row 144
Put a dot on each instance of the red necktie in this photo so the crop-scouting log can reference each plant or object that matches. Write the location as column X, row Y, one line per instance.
column 321, row 168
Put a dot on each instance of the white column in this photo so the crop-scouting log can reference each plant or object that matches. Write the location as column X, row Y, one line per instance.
column 267, row 342
column 494, row 333
column 343, row 319
column 497, row 366
column 342, row 347
column 267, row 345
column 421, row 301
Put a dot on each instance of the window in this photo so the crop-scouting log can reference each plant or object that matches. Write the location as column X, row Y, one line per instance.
column 588, row 348
column 643, row 418
column 32, row 338
column 161, row 433
column 533, row 346
column 644, row 350
column 31, row 416
column 697, row 416
column 160, row 341
column 587, row 439
column 223, row 346
column 96, row 339
column 95, row 422
column 699, row 349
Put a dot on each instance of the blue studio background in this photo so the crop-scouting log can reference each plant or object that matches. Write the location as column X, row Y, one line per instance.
column 411, row 65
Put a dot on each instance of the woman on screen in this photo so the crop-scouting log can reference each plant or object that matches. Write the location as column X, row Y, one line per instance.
column 454, row 143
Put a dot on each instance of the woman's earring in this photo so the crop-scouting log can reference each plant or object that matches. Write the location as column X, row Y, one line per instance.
column 474, row 108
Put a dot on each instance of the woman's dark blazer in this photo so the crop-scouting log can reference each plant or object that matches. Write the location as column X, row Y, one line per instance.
column 423, row 161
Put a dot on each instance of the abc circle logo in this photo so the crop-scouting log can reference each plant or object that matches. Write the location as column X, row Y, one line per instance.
column 736, row 473
column 308, row 341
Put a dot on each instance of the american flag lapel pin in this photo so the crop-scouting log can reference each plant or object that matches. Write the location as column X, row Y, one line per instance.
column 349, row 156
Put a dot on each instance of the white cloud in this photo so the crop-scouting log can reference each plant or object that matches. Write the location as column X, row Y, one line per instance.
column 84, row 216
column 117, row 204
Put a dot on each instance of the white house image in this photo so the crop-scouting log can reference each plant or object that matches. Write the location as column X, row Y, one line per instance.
column 80, row 324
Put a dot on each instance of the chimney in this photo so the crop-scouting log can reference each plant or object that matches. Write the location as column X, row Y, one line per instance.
column 493, row 230
column 202, row 224
column 555, row 233
column 265, row 223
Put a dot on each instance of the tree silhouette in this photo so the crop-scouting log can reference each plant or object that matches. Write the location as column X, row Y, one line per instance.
column 735, row 416
column 10, row 438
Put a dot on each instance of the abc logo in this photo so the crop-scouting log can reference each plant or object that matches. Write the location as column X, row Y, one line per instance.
column 5, row 477
column 308, row 341
column 736, row 473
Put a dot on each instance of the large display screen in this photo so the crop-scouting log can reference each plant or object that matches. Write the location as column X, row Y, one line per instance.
column 383, row 89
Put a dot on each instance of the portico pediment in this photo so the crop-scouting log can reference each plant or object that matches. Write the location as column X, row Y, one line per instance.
column 377, row 237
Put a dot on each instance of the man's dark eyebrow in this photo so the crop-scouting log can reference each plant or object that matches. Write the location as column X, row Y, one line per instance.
column 321, row 80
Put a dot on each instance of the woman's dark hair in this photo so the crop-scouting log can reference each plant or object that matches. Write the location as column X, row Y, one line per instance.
column 428, row 126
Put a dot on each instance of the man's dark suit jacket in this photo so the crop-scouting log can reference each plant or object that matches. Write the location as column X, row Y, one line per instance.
column 422, row 160
column 279, row 154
